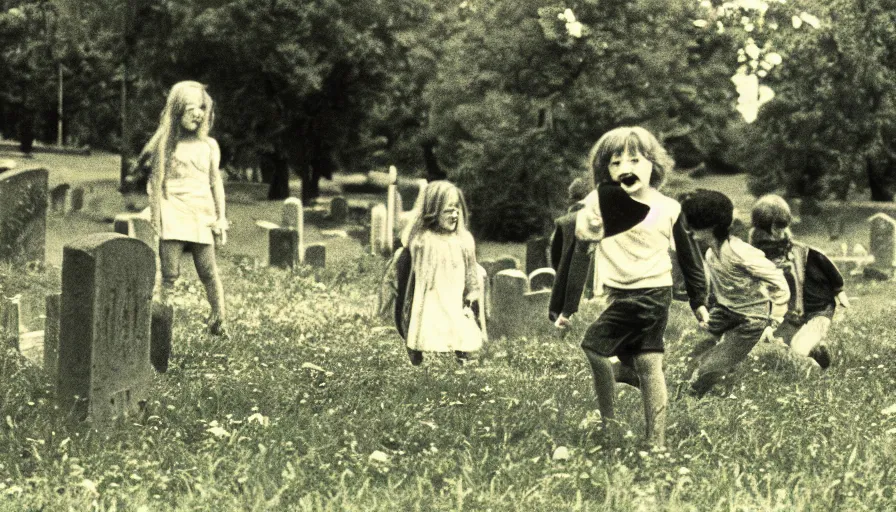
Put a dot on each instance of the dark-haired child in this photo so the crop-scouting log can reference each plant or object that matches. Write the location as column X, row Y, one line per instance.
column 816, row 286
column 635, row 226
column 750, row 292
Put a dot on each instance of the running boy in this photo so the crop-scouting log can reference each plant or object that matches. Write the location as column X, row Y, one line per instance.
column 750, row 292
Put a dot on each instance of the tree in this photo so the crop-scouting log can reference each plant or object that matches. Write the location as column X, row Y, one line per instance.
column 526, row 87
column 830, row 127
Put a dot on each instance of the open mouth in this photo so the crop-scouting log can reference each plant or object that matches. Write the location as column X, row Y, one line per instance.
column 628, row 179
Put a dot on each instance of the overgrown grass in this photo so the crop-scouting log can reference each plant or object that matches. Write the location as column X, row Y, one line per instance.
column 312, row 405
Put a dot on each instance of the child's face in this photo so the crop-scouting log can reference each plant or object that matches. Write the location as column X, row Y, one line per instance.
column 631, row 170
column 779, row 231
column 450, row 214
column 194, row 110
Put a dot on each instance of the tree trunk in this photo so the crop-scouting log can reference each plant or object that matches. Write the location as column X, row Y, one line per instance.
column 278, row 169
column 879, row 185
column 310, row 187
column 434, row 171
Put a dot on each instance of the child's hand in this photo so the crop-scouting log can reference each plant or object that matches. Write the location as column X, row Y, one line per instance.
column 219, row 230
column 768, row 335
column 702, row 317
column 562, row 323
column 843, row 299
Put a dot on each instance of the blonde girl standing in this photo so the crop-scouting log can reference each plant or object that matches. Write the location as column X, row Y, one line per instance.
column 444, row 296
column 186, row 193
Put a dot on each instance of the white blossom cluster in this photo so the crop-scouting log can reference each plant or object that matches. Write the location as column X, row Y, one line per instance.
column 755, row 61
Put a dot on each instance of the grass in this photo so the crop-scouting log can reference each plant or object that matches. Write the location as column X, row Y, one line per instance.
column 312, row 405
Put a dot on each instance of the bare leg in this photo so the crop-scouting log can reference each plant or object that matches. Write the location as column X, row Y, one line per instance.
column 654, row 395
column 604, row 383
column 204, row 258
column 810, row 335
column 170, row 252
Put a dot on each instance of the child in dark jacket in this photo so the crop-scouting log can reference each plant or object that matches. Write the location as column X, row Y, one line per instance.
column 816, row 286
column 750, row 292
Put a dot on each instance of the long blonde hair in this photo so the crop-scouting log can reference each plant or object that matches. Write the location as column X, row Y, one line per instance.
column 434, row 199
column 161, row 146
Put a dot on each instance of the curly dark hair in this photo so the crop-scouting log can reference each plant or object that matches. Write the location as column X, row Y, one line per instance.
column 705, row 209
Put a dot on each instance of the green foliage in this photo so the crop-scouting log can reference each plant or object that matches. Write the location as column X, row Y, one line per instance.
column 520, row 97
column 830, row 130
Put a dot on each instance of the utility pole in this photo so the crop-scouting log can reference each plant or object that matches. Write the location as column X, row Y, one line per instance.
column 59, row 111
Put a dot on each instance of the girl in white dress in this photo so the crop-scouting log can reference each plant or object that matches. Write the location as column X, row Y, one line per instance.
column 186, row 193
column 444, row 314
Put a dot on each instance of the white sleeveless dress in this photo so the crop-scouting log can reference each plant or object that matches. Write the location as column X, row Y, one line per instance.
column 187, row 207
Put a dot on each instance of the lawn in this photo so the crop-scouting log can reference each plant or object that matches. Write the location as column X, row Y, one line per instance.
column 312, row 405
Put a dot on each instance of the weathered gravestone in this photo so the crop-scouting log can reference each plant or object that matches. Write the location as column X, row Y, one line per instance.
column 536, row 253
column 882, row 246
column 516, row 311
column 135, row 225
column 60, row 198
column 378, row 234
column 316, row 255
column 293, row 214
column 51, row 333
column 104, row 328
column 23, row 215
column 76, row 203
column 542, row 279
column 338, row 210
column 286, row 243
column 283, row 248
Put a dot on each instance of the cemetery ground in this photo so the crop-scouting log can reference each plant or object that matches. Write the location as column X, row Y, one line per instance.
column 312, row 405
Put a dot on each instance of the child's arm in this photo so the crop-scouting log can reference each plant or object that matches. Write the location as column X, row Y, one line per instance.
column 691, row 264
column 831, row 273
column 217, row 184
column 472, row 292
column 762, row 268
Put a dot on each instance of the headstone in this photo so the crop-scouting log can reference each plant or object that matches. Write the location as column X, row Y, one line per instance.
column 537, row 253
column 506, row 262
column 136, row 225
column 104, row 328
column 883, row 244
column 283, row 248
column 293, row 214
column 316, row 255
column 51, row 334
column 542, row 279
column 10, row 322
column 161, row 331
column 516, row 311
column 338, row 210
column 60, row 197
column 508, row 288
column 141, row 229
column 122, row 224
column 485, row 286
column 23, row 215
column 378, row 229
column 76, row 203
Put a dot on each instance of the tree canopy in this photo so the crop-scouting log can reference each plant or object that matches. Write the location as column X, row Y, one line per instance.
column 503, row 97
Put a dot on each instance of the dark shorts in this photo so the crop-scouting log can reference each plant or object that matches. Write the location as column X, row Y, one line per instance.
column 634, row 322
